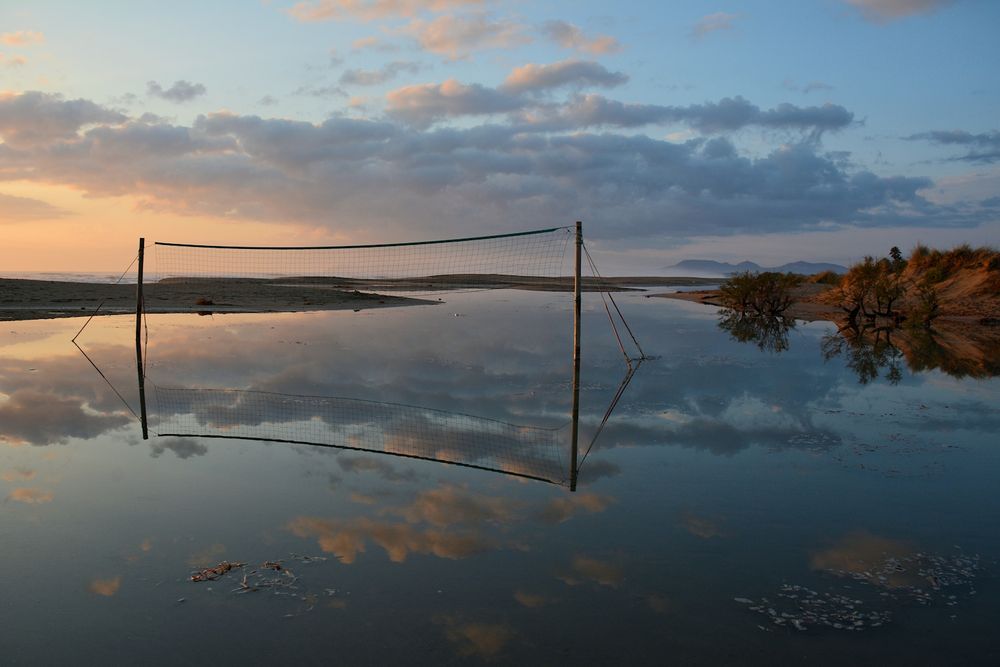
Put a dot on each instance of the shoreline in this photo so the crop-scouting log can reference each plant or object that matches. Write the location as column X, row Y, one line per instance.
column 813, row 311
column 24, row 299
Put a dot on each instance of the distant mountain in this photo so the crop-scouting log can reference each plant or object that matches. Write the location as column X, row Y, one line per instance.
column 712, row 268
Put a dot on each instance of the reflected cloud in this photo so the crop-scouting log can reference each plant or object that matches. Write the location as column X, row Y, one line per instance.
column 347, row 538
column 208, row 556
column 532, row 600
column 483, row 640
column 183, row 448
column 559, row 510
column 105, row 587
column 864, row 554
column 383, row 469
column 37, row 418
column 701, row 526
column 450, row 505
column 30, row 496
column 18, row 474
column 584, row 568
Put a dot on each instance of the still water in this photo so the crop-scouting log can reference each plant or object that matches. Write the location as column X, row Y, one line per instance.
column 741, row 505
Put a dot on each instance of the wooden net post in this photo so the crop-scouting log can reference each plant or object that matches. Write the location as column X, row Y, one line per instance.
column 575, row 437
column 138, row 342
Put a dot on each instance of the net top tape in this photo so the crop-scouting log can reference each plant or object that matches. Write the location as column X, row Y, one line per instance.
column 358, row 247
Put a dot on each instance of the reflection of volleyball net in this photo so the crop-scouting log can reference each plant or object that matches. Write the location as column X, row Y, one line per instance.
column 467, row 262
column 252, row 277
column 348, row 423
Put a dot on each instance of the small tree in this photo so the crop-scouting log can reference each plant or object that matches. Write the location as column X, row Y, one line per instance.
column 766, row 293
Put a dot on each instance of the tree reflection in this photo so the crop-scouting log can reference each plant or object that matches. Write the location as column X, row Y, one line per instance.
column 768, row 332
column 868, row 351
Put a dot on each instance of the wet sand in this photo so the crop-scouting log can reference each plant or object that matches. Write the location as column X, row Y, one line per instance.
column 46, row 299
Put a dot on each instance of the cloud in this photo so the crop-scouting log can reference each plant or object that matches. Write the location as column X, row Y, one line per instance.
column 505, row 177
column 375, row 77
column 536, row 78
column 374, row 44
column 22, row 38
column 805, row 88
column 983, row 147
column 321, row 92
column 457, row 36
column 105, row 587
column 16, row 209
column 13, row 61
column 886, row 11
column 713, row 23
column 423, row 104
column 267, row 101
column 383, row 469
column 570, row 36
column 371, row 10
column 30, row 496
column 181, row 91
column 727, row 115
column 32, row 118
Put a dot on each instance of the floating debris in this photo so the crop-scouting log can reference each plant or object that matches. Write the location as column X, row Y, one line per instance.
column 917, row 577
column 802, row 608
column 213, row 573
column 920, row 577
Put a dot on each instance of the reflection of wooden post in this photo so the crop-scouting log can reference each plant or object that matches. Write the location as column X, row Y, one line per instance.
column 138, row 342
column 576, row 360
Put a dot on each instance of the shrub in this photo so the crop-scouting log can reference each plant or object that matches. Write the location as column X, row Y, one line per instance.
column 826, row 278
column 765, row 293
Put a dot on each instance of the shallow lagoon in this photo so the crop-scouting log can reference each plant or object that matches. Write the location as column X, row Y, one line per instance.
column 725, row 476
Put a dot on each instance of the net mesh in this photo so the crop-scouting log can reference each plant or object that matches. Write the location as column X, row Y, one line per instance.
column 460, row 262
column 348, row 423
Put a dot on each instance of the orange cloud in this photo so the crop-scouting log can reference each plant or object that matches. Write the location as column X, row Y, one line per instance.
column 457, row 36
column 105, row 587
column 30, row 496
column 14, row 61
column 370, row 10
column 22, row 38
column 570, row 36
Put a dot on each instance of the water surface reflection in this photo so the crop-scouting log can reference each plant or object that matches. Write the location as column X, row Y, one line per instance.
column 726, row 472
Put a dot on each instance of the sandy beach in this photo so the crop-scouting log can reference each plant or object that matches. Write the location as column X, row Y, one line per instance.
column 45, row 299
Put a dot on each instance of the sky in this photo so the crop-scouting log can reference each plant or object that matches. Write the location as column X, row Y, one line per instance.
column 770, row 130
